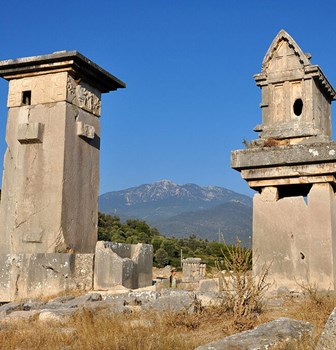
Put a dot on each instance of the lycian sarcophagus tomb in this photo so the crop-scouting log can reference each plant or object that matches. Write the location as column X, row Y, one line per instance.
column 292, row 166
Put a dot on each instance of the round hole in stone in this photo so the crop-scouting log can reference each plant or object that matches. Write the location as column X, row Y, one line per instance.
column 297, row 107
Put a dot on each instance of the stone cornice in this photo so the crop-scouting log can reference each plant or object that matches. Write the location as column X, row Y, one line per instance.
column 72, row 61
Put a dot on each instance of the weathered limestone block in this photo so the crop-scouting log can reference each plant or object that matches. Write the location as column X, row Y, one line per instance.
column 193, row 270
column 142, row 256
column 295, row 237
column 292, row 166
column 174, row 301
column 85, row 130
column 30, row 132
column 47, row 203
column 209, row 285
column 296, row 95
column 328, row 336
column 287, row 156
column 45, row 88
column 61, row 316
column 36, row 275
column 19, row 316
column 129, row 265
column 270, row 194
column 282, row 331
column 110, row 269
column 51, row 167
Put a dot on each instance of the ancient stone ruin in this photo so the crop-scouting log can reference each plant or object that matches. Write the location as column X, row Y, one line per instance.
column 292, row 167
column 49, row 204
column 129, row 265
column 193, row 270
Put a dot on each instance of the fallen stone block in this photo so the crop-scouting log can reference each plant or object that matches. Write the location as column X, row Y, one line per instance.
column 16, row 316
column 60, row 315
column 10, row 307
column 59, row 302
column 161, row 283
column 106, row 308
column 209, row 285
column 83, row 299
column 328, row 336
column 174, row 301
column 144, row 295
column 33, row 305
column 209, row 298
column 278, row 332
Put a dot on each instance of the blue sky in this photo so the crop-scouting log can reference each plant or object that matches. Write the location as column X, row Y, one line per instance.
column 188, row 65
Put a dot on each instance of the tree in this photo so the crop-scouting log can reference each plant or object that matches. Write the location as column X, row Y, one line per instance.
column 156, row 242
column 161, row 257
column 169, row 246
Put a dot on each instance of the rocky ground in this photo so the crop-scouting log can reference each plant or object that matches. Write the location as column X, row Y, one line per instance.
column 184, row 311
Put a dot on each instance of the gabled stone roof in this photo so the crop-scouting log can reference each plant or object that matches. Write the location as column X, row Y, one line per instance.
column 284, row 36
column 307, row 69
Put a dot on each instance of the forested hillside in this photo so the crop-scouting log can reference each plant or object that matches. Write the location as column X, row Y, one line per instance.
column 184, row 210
column 167, row 250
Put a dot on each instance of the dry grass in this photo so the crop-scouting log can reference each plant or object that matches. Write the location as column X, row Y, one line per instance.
column 242, row 309
column 153, row 330
column 244, row 292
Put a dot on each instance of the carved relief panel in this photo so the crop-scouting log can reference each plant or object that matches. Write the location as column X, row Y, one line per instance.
column 83, row 96
column 51, row 88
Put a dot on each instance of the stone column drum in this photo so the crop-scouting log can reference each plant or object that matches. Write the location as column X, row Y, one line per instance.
column 292, row 166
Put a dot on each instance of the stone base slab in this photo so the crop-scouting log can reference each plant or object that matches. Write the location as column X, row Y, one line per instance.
column 291, row 155
column 36, row 275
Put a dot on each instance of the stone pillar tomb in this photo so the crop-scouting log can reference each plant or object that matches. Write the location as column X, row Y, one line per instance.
column 292, row 166
column 49, row 204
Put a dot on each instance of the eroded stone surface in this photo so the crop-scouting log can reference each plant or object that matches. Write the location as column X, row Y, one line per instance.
column 292, row 166
column 62, row 309
column 128, row 265
column 61, row 315
column 49, row 204
column 295, row 93
column 36, row 275
column 290, row 235
column 193, row 270
column 51, row 169
column 209, row 285
column 278, row 332
column 328, row 336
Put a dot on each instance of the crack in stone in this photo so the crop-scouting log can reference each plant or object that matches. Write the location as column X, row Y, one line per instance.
column 17, row 285
column 54, row 270
column 31, row 215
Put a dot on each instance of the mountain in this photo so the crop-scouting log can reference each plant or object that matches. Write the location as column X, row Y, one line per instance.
column 182, row 210
column 228, row 221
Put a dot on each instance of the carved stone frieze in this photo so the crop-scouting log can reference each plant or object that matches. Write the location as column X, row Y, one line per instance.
column 83, row 96
column 46, row 88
